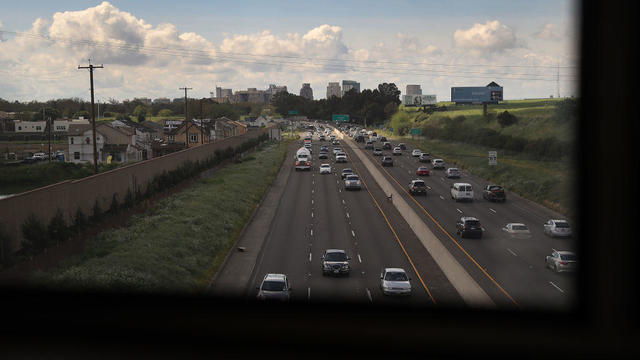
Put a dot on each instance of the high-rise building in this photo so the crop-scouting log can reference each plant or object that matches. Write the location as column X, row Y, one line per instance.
column 333, row 89
column 413, row 90
column 350, row 84
column 306, row 91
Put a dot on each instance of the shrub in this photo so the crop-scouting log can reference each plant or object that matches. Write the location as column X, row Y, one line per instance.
column 34, row 235
column 505, row 119
column 128, row 199
column 80, row 221
column 115, row 205
column 58, row 230
column 6, row 258
column 96, row 212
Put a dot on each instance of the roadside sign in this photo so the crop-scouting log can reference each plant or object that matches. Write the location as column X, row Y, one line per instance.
column 493, row 158
column 340, row 117
column 415, row 131
column 293, row 112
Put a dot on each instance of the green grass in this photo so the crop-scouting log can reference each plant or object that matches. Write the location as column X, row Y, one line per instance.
column 181, row 242
column 548, row 183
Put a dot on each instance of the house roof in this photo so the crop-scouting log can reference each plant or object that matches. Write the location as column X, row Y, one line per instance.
column 151, row 125
column 493, row 84
column 78, row 129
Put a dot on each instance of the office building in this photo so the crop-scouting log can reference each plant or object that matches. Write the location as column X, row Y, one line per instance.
column 306, row 91
column 413, row 90
column 333, row 89
column 350, row 84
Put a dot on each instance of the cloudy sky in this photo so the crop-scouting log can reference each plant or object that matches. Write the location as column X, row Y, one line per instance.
column 151, row 48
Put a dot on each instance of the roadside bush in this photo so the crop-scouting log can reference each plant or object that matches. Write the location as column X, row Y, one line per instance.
column 115, row 205
column 34, row 235
column 506, row 118
column 96, row 212
column 58, row 230
column 128, row 199
column 80, row 221
column 6, row 257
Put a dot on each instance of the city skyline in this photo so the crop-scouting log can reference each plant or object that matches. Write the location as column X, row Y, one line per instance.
column 530, row 50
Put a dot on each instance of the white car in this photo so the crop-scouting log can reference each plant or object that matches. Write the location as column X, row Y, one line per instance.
column 336, row 150
column 557, row 228
column 397, row 151
column 453, row 173
column 437, row 163
column 416, row 152
column 517, row 230
column 274, row 287
column 325, row 169
column 341, row 157
column 394, row 281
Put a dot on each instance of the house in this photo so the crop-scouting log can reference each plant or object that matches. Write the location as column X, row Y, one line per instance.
column 241, row 128
column 188, row 130
column 224, row 128
column 29, row 126
column 121, row 143
column 156, row 130
column 62, row 126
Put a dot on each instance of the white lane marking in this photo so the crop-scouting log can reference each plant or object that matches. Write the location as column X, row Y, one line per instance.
column 313, row 182
column 460, row 211
column 339, row 190
column 556, row 286
column 312, row 214
column 441, row 197
column 369, row 295
column 428, row 187
column 409, row 171
column 312, row 191
column 311, row 201
column 309, row 257
column 353, row 233
column 512, row 253
column 347, row 214
column 490, row 209
column 343, row 201
column 311, row 232
column 441, row 178
column 359, row 258
column 308, row 293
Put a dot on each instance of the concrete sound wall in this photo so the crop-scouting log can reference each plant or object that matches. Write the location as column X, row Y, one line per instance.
column 70, row 195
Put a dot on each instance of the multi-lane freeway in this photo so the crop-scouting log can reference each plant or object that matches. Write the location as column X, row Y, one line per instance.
column 316, row 213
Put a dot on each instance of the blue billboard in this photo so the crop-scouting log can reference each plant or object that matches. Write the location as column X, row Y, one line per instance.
column 490, row 94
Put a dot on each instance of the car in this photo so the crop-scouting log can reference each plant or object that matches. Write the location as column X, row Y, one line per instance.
column 335, row 142
column 359, row 138
column 382, row 139
column 453, row 173
column 402, row 146
column 416, row 152
column 561, row 260
column 377, row 152
column 323, row 155
column 332, row 137
column 517, row 230
column 397, row 151
column 322, row 138
column 394, row 281
column 335, row 262
column 386, row 145
column 386, row 161
column 341, row 157
column 368, row 145
column 324, row 147
column 336, row 150
column 346, row 171
column 494, row 193
column 422, row 171
column 418, row 187
column 437, row 163
column 424, row 157
column 325, row 169
column 469, row 226
column 461, row 191
column 352, row 182
column 39, row 156
column 559, row 228
column 274, row 287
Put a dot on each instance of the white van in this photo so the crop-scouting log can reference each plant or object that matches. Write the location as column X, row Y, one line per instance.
column 461, row 191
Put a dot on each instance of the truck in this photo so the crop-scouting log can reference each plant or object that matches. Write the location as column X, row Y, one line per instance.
column 303, row 159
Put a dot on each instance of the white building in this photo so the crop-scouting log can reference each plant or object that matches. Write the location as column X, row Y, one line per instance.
column 29, row 126
column 333, row 89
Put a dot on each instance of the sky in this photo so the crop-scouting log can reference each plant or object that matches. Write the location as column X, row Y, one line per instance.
column 152, row 48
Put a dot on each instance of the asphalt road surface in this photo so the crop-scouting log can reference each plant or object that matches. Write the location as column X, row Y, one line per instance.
column 316, row 213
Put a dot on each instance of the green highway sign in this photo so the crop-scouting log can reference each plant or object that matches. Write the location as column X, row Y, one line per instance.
column 416, row 131
column 338, row 117
column 293, row 112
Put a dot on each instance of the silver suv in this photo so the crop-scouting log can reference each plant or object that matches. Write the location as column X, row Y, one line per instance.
column 274, row 287
column 335, row 262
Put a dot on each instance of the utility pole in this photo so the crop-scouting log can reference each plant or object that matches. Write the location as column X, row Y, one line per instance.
column 93, row 114
column 186, row 124
column 558, row 80
column 50, row 126
column 201, row 123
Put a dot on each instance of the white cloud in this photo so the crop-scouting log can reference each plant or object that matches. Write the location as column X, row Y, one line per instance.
column 486, row 38
column 548, row 32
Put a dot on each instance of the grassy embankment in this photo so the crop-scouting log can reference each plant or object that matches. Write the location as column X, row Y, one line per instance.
column 180, row 243
column 548, row 182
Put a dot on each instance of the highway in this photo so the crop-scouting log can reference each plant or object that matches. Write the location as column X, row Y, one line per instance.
column 316, row 213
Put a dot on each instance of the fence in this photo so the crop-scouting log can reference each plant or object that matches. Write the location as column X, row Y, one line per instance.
column 71, row 195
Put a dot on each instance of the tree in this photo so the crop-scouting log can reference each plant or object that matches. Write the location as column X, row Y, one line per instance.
column 506, row 119
column 390, row 109
column 165, row 113
column 140, row 112
column 34, row 236
column 58, row 230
